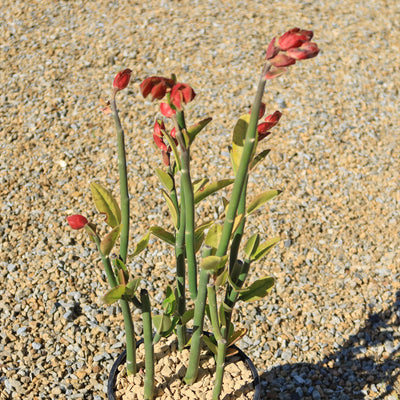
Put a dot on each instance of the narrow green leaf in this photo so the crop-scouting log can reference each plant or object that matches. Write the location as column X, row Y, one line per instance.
column 259, row 157
column 261, row 199
column 108, row 242
column 165, row 179
column 211, row 188
column 143, row 242
column 266, row 247
column 162, row 234
column 236, row 223
column 106, row 204
column 257, row 290
column 239, row 136
column 171, row 142
column 213, row 263
column 194, row 130
column 172, row 209
column 210, row 344
column 222, row 277
column 114, row 294
column 199, row 184
column 213, row 236
column 251, row 246
column 236, row 336
column 198, row 240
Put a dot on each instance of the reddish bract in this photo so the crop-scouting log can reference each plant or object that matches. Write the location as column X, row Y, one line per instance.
column 294, row 38
column 305, row 51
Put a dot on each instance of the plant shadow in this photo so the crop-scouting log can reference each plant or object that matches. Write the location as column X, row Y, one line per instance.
column 366, row 366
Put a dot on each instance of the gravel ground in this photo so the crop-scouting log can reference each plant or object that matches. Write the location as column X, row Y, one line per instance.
column 330, row 329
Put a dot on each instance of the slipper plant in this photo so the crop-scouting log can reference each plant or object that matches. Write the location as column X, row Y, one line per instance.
column 212, row 259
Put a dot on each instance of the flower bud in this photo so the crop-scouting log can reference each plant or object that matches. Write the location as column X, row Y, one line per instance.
column 77, row 221
column 294, row 38
column 181, row 92
column 306, row 50
column 158, row 135
column 122, row 79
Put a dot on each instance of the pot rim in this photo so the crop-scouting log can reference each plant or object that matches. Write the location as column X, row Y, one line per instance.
column 112, row 379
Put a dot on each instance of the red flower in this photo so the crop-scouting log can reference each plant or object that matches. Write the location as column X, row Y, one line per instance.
column 270, row 122
column 306, row 50
column 157, row 86
column 77, row 221
column 167, row 110
column 158, row 136
column 122, row 79
column 181, row 92
column 294, row 38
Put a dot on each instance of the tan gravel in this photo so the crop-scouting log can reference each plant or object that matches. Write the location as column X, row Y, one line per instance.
column 330, row 329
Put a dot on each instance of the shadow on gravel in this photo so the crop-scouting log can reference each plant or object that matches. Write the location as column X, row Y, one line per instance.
column 350, row 373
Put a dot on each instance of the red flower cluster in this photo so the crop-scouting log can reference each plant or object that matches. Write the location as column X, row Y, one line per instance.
column 158, row 136
column 292, row 46
column 158, row 87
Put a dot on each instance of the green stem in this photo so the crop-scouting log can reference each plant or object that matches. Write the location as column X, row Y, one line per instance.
column 124, row 237
column 242, row 172
column 180, row 274
column 126, row 312
column 187, row 187
column 198, row 322
column 220, row 368
column 123, row 182
column 148, row 346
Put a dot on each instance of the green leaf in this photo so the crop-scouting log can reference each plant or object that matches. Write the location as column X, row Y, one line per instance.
column 211, row 188
column 162, row 234
column 266, row 247
column 213, row 263
column 106, row 204
column 114, row 294
column 259, row 157
column 142, row 244
column 210, row 344
column 251, row 246
column 199, row 184
column 257, row 290
column 239, row 136
column 198, row 240
column 172, row 209
column 162, row 323
column 261, row 199
column 170, row 301
column 165, row 179
column 108, row 242
column 187, row 316
column 236, row 222
column 194, row 130
column 213, row 236
column 132, row 286
column 222, row 277
column 171, row 142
